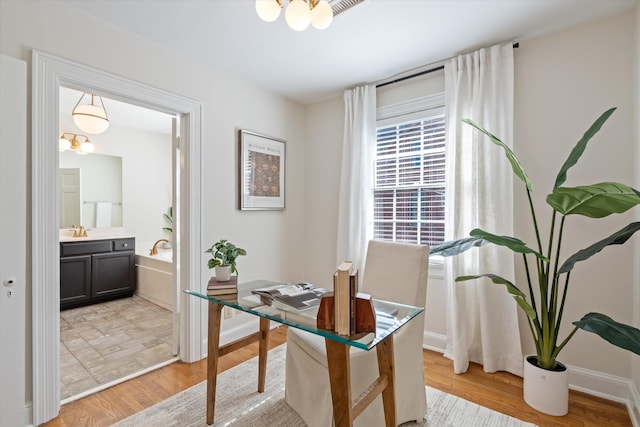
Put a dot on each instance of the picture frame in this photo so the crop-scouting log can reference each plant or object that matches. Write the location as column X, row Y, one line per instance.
column 261, row 172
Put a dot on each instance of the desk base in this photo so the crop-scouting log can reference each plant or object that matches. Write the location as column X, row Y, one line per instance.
column 214, row 351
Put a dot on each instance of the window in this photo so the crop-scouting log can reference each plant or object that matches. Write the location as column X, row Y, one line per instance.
column 409, row 172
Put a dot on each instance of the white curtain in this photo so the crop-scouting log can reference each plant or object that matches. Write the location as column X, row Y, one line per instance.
column 482, row 317
column 355, row 207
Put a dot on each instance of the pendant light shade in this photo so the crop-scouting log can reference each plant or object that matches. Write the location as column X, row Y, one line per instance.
column 69, row 141
column 91, row 118
column 321, row 15
column 298, row 15
column 268, row 10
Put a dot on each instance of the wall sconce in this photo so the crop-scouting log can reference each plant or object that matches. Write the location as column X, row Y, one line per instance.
column 91, row 118
column 71, row 143
column 299, row 13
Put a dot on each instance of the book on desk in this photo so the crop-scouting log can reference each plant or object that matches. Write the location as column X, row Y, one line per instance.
column 219, row 288
column 291, row 296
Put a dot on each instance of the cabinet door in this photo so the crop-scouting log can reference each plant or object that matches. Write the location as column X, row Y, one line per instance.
column 113, row 274
column 75, row 280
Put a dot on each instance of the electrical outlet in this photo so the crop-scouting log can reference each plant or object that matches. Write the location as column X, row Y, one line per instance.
column 227, row 312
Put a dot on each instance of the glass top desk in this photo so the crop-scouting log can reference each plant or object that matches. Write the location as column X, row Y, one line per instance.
column 389, row 318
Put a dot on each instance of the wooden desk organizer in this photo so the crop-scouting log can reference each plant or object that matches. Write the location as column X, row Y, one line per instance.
column 365, row 315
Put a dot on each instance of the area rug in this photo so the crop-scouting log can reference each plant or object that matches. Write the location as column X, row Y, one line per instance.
column 238, row 404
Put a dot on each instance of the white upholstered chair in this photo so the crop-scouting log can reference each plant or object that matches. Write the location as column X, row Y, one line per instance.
column 394, row 272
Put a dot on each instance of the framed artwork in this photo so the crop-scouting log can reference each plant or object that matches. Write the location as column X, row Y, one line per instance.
column 261, row 172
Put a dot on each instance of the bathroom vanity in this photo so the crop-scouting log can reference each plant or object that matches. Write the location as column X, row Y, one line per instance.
column 96, row 270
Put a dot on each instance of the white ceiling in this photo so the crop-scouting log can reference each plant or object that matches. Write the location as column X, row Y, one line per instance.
column 371, row 42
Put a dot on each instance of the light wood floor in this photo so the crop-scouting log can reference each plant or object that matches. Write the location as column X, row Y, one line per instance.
column 500, row 391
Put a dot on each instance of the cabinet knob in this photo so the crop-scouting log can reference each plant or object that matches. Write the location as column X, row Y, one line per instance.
column 125, row 245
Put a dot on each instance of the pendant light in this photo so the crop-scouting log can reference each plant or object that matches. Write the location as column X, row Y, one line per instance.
column 91, row 118
column 298, row 14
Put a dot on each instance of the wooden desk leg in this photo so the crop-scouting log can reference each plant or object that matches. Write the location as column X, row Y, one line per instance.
column 386, row 369
column 263, row 348
column 213, row 345
column 339, row 365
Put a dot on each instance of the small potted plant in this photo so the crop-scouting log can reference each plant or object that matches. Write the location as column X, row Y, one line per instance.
column 223, row 259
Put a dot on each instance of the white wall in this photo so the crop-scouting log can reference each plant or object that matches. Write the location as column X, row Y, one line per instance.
column 273, row 239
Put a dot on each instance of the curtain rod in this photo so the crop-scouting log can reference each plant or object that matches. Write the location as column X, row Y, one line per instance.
column 421, row 73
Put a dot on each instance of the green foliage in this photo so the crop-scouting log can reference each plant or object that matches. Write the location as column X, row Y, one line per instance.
column 546, row 302
column 169, row 218
column 224, row 253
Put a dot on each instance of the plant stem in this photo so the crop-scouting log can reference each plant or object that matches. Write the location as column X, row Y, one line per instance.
column 564, row 296
column 531, row 294
column 566, row 340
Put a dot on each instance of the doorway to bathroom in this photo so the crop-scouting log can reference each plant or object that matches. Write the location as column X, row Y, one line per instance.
column 49, row 73
column 123, row 188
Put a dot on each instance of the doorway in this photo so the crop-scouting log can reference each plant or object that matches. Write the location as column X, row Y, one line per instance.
column 123, row 188
column 49, row 73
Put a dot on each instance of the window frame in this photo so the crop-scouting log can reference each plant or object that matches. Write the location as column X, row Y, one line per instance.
column 415, row 109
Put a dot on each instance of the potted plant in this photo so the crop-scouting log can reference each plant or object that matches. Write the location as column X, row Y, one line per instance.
column 547, row 278
column 223, row 259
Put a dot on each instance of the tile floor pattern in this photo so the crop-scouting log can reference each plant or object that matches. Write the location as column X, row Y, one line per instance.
column 103, row 342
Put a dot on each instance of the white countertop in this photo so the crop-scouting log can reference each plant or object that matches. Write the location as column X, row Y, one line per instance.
column 94, row 237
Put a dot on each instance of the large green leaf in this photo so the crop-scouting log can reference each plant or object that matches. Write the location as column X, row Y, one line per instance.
column 455, row 247
column 617, row 238
column 594, row 201
column 512, row 243
column 511, row 156
column 618, row 334
column 518, row 295
column 577, row 151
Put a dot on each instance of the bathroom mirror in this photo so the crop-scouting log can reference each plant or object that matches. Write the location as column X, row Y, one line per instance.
column 90, row 190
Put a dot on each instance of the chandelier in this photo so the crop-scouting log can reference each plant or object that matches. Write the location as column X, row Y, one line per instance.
column 298, row 14
column 69, row 141
column 90, row 118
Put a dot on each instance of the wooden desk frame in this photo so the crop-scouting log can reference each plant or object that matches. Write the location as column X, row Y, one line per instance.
column 345, row 409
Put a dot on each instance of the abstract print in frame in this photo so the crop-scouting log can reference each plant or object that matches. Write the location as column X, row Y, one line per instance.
column 261, row 172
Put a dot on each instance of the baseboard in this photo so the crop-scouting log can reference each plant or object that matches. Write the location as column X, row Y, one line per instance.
column 433, row 341
column 634, row 406
column 611, row 387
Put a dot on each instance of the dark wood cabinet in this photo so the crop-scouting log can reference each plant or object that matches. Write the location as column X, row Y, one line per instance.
column 96, row 271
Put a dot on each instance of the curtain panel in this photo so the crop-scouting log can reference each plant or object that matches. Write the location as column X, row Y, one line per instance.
column 482, row 319
column 355, row 205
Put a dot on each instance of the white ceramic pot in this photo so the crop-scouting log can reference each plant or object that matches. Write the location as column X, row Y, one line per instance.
column 546, row 390
column 223, row 273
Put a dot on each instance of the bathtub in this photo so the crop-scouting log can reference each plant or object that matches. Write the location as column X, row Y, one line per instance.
column 155, row 279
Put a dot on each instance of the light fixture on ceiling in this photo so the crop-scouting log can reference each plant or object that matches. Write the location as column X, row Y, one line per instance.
column 298, row 14
column 69, row 141
column 91, row 118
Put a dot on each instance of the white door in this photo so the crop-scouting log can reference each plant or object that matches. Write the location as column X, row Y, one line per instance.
column 13, row 237
column 69, row 194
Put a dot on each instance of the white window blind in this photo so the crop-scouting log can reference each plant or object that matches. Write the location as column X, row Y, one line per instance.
column 409, row 178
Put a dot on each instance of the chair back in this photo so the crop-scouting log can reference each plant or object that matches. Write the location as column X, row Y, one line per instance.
column 396, row 272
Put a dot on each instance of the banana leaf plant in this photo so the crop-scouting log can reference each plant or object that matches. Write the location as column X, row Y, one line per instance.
column 547, row 278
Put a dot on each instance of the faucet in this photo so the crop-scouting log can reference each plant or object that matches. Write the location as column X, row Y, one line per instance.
column 79, row 232
column 154, row 249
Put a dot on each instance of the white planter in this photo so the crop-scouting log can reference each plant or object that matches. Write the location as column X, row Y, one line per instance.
column 544, row 390
column 223, row 274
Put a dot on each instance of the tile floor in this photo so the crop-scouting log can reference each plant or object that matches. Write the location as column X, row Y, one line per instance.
column 104, row 342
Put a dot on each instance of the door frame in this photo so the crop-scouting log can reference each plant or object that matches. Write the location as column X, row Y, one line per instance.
column 49, row 73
